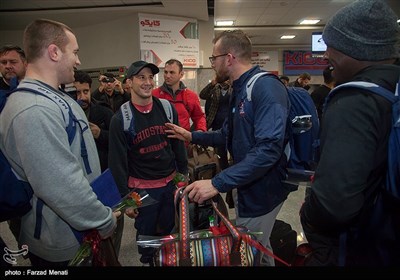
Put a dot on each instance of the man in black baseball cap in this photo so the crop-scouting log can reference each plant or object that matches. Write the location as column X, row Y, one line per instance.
column 139, row 65
column 143, row 158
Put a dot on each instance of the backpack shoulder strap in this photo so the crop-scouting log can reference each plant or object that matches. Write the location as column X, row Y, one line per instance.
column 127, row 117
column 367, row 86
column 68, row 116
column 71, row 122
column 70, row 119
column 128, row 120
column 251, row 82
column 168, row 109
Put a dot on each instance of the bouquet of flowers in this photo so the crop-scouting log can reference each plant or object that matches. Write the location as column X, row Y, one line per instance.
column 95, row 251
column 135, row 200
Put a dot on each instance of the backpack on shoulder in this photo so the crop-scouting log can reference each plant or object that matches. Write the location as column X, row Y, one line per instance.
column 303, row 148
column 15, row 193
column 379, row 236
column 128, row 120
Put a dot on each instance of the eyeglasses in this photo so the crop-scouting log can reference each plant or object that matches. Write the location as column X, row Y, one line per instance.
column 214, row 57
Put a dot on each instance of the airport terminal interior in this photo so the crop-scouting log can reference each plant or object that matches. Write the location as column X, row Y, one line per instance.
column 112, row 34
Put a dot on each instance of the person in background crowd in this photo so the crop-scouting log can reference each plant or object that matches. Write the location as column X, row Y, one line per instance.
column 256, row 133
column 125, row 86
column 186, row 101
column 319, row 94
column 99, row 116
column 217, row 94
column 362, row 45
column 110, row 92
column 147, row 160
column 12, row 64
column 35, row 142
column 302, row 81
column 285, row 80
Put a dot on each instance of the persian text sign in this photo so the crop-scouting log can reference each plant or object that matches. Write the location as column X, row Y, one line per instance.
column 297, row 62
column 162, row 39
column 266, row 60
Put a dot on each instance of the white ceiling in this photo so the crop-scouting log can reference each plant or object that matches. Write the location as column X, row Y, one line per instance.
column 265, row 21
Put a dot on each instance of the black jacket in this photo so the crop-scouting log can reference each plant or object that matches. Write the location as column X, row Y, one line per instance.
column 114, row 101
column 101, row 116
column 354, row 143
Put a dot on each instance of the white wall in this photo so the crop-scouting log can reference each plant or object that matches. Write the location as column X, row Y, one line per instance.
column 108, row 44
column 116, row 43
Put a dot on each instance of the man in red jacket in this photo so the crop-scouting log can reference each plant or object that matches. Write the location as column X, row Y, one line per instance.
column 186, row 101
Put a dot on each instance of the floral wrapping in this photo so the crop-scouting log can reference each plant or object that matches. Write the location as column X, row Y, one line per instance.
column 95, row 251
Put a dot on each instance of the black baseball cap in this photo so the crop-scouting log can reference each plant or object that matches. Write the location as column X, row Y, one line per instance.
column 139, row 65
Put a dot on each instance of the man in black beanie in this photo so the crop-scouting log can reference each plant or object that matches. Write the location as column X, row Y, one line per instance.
column 362, row 45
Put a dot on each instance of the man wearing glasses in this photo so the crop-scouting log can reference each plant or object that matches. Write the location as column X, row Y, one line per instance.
column 255, row 133
column 145, row 158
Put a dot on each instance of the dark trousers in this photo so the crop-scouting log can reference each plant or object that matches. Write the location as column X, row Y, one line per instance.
column 157, row 219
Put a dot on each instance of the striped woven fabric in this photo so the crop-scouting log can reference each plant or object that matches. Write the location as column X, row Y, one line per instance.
column 207, row 251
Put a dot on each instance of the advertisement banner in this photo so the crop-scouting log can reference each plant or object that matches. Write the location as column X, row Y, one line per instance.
column 297, row 62
column 162, row 39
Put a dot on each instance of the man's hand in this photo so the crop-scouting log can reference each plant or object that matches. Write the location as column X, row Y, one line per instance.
column 101, row 84
column 200, row 191
column 118, row 86
column 131, row 212
column 117, row 214
column 177, row 132
column 95, row 130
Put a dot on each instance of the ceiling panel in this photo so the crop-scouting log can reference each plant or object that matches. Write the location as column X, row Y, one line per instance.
column 264, row 20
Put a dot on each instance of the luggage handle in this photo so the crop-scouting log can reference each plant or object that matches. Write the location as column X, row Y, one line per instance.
column 184, row 231
column 234, row 256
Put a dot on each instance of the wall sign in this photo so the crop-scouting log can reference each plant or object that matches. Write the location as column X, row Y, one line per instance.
column 297, row 62
column 162, row 39
column 266, row 60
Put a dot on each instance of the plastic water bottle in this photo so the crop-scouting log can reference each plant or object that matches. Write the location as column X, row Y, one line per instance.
column 211, row 219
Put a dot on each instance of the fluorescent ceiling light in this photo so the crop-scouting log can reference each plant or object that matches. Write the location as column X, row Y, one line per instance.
column 286, row 37
column 225, row 22
column 310, row 21
column 398, row 21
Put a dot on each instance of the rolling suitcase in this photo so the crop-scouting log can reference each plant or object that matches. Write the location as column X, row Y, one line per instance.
column 283, row 241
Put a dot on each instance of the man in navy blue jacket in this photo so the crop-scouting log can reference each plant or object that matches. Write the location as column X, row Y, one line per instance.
column 255, row 134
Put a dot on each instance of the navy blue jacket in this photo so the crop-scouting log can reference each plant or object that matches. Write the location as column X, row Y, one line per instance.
column 258, row 136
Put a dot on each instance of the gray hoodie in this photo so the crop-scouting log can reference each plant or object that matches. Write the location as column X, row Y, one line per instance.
column 34, row 140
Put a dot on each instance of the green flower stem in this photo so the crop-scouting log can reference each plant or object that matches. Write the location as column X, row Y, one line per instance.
column 82, row 254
